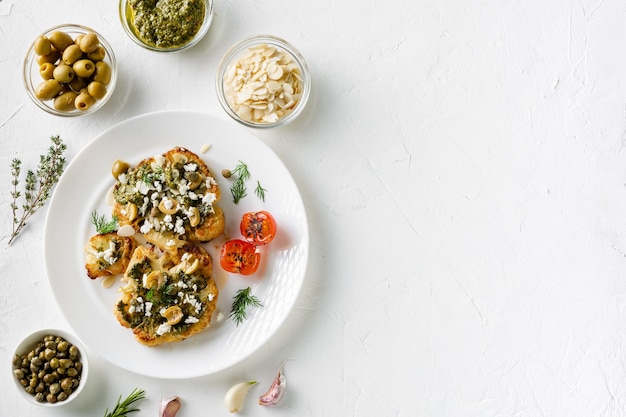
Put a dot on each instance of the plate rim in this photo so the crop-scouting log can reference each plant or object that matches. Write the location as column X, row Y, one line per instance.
column 95, row 141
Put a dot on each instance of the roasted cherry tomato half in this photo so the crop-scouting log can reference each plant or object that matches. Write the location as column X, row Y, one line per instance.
column 258, row 228
column 239, row 257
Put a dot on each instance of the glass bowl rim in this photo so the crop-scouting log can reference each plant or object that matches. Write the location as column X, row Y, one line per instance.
column 241, row 46
column 204, row 28
column 31, row 56
column 28, row 341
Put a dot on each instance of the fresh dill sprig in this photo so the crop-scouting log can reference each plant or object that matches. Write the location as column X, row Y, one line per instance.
column 122, row 408
column 238, row 189
column 38, row 185
column 102, row 225
column 260, row 191
column 242, row 300
column 241, row 171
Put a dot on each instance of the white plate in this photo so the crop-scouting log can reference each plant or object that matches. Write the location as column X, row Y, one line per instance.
column 88, row 306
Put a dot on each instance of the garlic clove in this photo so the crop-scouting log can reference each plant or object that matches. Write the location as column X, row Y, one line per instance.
column 169, row 407
column 236, row 395
column 275, row 391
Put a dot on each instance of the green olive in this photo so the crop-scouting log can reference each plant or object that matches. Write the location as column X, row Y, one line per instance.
column 52, row 57
column 71, row 54
column 102, row 73
column 63, row 73
column 119, row 167
column 89, row 42
column 60, row 40
column 98, row 54
column 45, row 70
column 84, row 68
column 65, row 101
column 77, row 83
column 84, row 101
column 48, row 89
column 96, row 89
column 42, row 46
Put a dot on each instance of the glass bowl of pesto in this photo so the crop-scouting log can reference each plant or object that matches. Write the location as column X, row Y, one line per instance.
column 166, row 25
column 70, row 70
column 263, row 82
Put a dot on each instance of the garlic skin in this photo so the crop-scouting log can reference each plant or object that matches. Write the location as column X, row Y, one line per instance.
column 275, row 391
column 170, row 407
column 236, row 395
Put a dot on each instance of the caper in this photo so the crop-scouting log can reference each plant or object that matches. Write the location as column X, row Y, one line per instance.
column 19, row 374
column 66, row 363
column 63, row 346
column 62, row 396
column 24, row 382
column 16, row 360
column 50, row 379
column 55, row 388
column 72, row 372
column 54, row 363
column 39, row 397
column 50, row 344
column 49, row 354
column 49, row 337
column 30, row 390
column 226, row 173
column 41, row 387
column 51, row 398
column 66, row 384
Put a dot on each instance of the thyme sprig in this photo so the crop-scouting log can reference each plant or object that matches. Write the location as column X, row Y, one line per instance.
column 38, row 185
column 242, row 300
column 102, row 225
column 122, row 408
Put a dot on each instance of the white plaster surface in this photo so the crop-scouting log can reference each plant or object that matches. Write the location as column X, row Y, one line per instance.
column 462, row 164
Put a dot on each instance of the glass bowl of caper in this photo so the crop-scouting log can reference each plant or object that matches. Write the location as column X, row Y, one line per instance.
column 49, row 367
column 70, row 70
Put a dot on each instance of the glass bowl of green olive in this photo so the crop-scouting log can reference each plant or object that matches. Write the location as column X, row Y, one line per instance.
column 49, row 367
column 166, row 25
column 70, row 70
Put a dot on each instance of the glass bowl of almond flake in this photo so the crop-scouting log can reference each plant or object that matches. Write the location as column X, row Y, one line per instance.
column 263, row 82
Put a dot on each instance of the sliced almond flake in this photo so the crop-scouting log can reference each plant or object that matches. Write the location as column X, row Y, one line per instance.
column 107, row 282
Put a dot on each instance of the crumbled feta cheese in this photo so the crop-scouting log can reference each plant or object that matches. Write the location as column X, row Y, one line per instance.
column 210, row 297
column 190, row 167
column 143, row 188
column 191, row 320
column 122, row 178
column 145, row 227
column 209, row 198
column 192, row 195
column 163, row 328
column 148, row 307
column 210, row 181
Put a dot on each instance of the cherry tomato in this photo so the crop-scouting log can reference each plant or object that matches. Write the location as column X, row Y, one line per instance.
column 240, row 257
column 258, row 228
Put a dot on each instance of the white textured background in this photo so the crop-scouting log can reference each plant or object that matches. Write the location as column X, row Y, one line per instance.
column 463, row 169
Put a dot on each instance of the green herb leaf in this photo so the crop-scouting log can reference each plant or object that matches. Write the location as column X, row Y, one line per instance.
column 38, row 185
column 123, row 408
column 102, row 225
column 242, row 300
column 260, row 191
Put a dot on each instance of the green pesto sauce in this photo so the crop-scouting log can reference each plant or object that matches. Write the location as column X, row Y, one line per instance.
column 166, row 23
